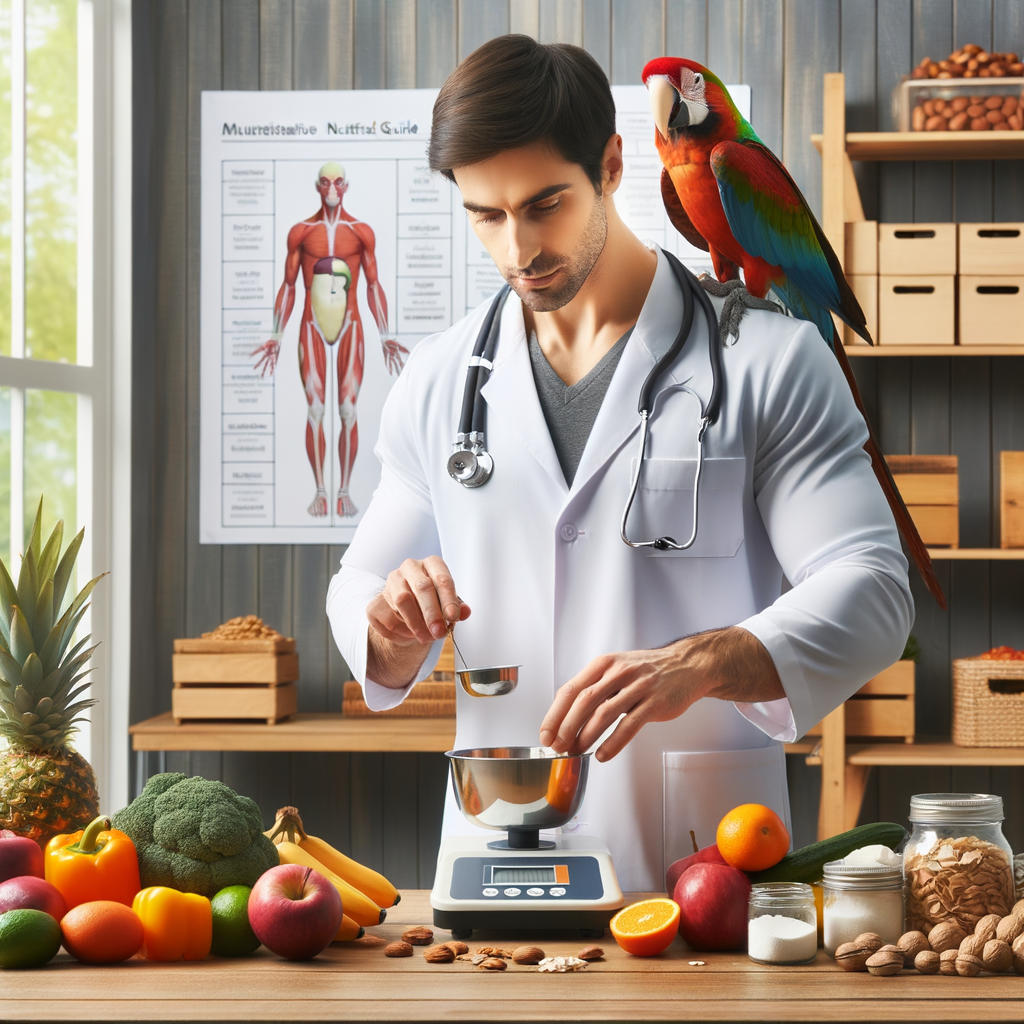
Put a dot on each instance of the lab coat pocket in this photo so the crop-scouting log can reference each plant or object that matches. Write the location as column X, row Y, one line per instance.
column 664, row 506
column 701, row 788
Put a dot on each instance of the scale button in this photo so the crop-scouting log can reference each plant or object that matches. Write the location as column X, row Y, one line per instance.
column 513, row 891
column 557, row 891
column 490, row 891
column 535, row 892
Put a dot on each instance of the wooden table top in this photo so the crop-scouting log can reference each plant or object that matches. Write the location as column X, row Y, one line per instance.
column 356, row 982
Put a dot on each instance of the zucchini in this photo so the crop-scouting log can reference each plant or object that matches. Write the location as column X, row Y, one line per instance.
column 808, row 863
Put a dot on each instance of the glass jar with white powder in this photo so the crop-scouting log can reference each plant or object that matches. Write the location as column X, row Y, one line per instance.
column 863, row 893
column 782, row 925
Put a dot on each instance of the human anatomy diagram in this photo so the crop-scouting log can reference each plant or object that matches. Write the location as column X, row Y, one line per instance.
column 331, row 248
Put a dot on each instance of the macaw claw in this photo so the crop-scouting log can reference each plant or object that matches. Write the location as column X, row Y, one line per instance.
column 737, row 301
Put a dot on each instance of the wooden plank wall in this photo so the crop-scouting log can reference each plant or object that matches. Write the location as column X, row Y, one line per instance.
column 385, row 809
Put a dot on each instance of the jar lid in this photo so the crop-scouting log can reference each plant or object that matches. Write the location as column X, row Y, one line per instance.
column 956, row 808
column 840, row 875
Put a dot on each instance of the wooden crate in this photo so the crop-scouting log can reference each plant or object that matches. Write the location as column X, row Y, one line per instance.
column 916, row 310
column 861, row 256
column 991, row 248
column 865, row 288
column 917, row 249
column 930, row 488
column 991, row 310
column 269, row 703
column 234, row 669
column 1011, row 499
column 429, row 699
column 883, row 707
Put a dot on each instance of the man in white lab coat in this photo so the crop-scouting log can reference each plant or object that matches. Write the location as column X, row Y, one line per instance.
column 704, row 667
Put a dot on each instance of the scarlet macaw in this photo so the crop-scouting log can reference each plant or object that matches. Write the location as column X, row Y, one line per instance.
column 727, row 193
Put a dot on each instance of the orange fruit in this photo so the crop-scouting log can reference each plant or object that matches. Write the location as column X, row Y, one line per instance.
column 101, row 932
column 646, row 928
column 752, row 837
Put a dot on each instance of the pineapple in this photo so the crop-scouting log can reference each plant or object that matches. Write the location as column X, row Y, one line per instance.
column 46, row 787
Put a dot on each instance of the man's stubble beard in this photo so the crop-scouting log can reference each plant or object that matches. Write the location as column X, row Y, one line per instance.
column 578, row 266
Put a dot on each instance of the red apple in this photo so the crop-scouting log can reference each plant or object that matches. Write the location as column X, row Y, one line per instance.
column 712, row 902
column 708, row 855
column 19, row 856
column 27, row 892
column 294, row 911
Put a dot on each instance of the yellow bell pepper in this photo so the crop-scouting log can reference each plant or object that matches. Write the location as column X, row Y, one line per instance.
column 176, row 925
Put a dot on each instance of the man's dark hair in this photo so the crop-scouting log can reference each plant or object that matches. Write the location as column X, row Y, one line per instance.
column 514, row 91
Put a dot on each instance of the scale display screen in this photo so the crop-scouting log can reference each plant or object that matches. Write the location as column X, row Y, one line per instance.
column 543, row 875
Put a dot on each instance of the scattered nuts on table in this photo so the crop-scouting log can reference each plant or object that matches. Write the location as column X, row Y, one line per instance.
column 986, row 927
column 1010, row 927
column 439, row 955
column 968, row 966
column 946, row 935
column 419, row 936
column 398, row 949
column 913, row 943
column 870, row 940
column 997, row 956
column 972, row 946
column 458, row 948
column 561, row 964
column 947, row 962
column 852, row 956
column 590, row 953
column 887, row 961
column 527, row 955
column 927, row 962
column 503, row 954
column 492, row 963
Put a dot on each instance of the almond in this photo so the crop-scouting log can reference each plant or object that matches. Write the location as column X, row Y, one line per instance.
column 590, row 953
column 398, row 949
column 458, row 948
column 419, row 936
column 493, row 963
column 439, row 955
column 527, row 955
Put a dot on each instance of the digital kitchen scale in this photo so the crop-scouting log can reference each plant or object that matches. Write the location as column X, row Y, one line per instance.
column 522, row 881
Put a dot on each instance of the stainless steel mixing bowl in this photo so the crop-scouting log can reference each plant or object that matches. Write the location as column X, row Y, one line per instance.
column 518, row 789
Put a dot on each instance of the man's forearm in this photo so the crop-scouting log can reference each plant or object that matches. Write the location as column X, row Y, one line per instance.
column 735, row 665
column 391, row 665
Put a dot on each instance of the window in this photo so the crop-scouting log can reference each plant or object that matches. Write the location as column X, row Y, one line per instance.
column 64, row 149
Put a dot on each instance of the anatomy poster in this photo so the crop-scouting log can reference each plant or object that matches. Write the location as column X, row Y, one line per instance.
column 329, row 251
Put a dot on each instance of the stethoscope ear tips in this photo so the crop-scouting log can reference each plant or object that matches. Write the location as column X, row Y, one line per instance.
column 471, row 469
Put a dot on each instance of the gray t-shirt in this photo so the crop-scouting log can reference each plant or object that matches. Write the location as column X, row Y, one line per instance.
column 570, row 412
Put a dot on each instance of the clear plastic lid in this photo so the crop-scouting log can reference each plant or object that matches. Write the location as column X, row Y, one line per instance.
column 956, row 808
column 840, row 875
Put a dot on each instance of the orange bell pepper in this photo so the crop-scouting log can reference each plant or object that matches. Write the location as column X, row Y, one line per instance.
column 95, row 863
column 176, row 925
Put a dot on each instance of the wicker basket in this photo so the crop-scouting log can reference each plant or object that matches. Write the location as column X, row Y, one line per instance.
column 988, row 703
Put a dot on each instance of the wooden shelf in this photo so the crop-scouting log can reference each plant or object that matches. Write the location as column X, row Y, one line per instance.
column 933, row 350
column 932, row 145
column 976, row 554
column 304, row 732
column 933, row 752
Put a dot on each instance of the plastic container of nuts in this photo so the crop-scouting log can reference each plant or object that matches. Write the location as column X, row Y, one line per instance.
column 957, row 863
column 958, row 105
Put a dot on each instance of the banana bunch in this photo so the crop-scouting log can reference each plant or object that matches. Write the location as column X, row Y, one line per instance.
column 365, row 893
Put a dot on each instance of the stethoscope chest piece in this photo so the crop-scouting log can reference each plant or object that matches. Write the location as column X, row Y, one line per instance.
column 469, row 464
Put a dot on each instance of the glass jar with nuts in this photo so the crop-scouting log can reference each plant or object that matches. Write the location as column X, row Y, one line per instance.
column 957, row 863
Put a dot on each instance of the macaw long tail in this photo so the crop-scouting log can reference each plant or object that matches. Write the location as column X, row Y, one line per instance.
column 918, row 551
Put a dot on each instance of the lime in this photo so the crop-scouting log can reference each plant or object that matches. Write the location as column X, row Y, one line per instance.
column 232, row 935
column 28, row 938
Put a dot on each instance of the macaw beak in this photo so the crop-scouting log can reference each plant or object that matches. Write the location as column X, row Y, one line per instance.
column 662, row 96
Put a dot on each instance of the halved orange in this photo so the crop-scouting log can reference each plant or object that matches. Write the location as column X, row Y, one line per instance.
column 646, row 928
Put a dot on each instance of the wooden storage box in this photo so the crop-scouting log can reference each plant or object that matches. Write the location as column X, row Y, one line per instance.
column 271, row 703
column 988, row 703
column 991, row 248
column 929, row 485
column 917, row 249
column 865, row 287
column 915, row 310
column 861, row 256
column 883, row 707
column 1011, row 499
column 991, row 310
column 428, row 699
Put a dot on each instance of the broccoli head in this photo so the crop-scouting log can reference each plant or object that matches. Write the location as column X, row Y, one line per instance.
column 196, row 835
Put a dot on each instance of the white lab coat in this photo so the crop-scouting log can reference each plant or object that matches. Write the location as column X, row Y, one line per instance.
column 787, row 489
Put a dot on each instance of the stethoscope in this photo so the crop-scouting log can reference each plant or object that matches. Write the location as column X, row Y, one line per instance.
column 471, row 465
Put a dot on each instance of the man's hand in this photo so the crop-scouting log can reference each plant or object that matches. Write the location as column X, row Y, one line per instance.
column 268, row 353
column 411, row 612
column 657, row 686
column 394, row 354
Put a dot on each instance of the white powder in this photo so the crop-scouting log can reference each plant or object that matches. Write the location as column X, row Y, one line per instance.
column 873, row 856
column 775, row 939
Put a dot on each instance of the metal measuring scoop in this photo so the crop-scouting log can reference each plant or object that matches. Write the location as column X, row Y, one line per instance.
column 484, row 682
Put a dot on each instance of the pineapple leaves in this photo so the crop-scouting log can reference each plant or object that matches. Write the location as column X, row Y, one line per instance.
column 23, row 700
column 27, row 588
column 32, row 673
column 61, row 634
column 21, row 636
column 62, row 576
column 10, row 668
column 8, row 599
column 43, row 619
column 36, row 536
column 47, row 561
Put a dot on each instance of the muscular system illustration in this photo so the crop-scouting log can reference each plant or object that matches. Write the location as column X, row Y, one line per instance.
column 330, row 248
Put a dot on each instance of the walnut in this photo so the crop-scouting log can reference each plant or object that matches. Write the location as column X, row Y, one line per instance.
column 420, row 936
column 968, row 966
column 458, row 948
column 887, row 961
column 927, row 962
column 997, row 956
column 439, row 955
column 870, row 940
column 913, row 943
column 493, row 963
column 972, row 945
column 590, row 953
column 945, row 935
column 947, row 961
column 986, row 928
column 1010, row 927
column 527, row 955
column 852, row 956
column 398, row 949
